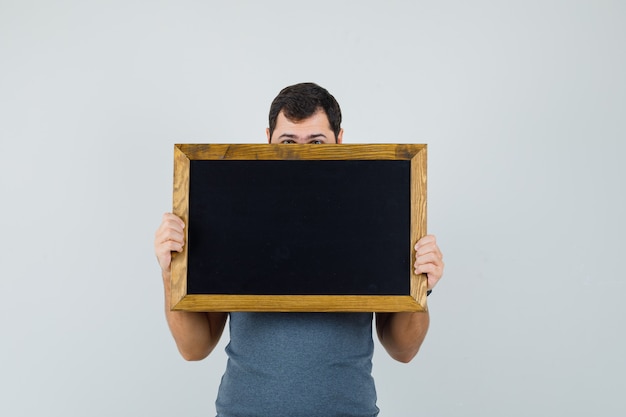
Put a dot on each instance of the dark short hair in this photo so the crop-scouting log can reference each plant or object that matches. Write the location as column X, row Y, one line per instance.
column 301, row 101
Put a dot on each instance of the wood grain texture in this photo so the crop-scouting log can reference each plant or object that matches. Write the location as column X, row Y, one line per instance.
column 414, row 301
column 300, row 152
column 298, row 303
column 419, row 284
column 181, row 209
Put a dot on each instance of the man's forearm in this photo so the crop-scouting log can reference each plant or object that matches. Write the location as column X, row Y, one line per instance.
column 402, row 334
column 195, row 334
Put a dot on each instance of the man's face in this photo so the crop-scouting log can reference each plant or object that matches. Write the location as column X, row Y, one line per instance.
column 314, row 130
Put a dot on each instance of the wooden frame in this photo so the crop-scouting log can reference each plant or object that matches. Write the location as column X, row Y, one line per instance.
column 413, row 300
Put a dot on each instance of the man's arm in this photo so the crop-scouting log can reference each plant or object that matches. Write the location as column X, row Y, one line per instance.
column 196, row 334
column 402, row 334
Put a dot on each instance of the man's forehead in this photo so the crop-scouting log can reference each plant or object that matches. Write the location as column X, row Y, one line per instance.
column 319, row 118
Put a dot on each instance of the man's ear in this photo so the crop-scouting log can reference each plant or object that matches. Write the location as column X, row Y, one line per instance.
column 340, row 136
column 267, row 133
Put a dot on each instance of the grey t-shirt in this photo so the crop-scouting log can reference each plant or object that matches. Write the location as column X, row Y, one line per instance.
column 298, row 364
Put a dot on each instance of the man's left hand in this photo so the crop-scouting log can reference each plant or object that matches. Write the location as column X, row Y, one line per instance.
column 429, row 260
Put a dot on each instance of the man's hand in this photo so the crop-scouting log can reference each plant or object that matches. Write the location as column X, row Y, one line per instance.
column 429, row 260
column 168, row 238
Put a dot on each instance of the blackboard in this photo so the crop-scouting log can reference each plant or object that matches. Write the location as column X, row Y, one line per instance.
column 299, row 227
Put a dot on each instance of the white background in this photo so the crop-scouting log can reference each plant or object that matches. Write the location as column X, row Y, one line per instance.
column 522, row 105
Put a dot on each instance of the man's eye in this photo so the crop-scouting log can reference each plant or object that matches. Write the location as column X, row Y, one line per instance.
column 316, row 142
column 288, row 142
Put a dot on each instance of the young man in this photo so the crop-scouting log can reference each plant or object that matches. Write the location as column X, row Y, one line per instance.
column 297, row 364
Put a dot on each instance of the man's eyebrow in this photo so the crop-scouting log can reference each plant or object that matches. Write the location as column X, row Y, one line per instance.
column 293, row 136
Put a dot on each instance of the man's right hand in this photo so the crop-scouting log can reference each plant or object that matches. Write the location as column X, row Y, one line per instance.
column 168, row 238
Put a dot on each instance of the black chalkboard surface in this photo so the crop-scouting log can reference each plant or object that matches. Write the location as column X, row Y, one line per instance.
column 308, row 228
column 299, row 227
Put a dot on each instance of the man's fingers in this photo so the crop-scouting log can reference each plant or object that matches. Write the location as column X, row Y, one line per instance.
column 170, row 246
column 426, row 269
column 430, row 257
column 169, row 238
column 170, row 217
column 171, row 229
column 169, row 235
column 425, row 241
